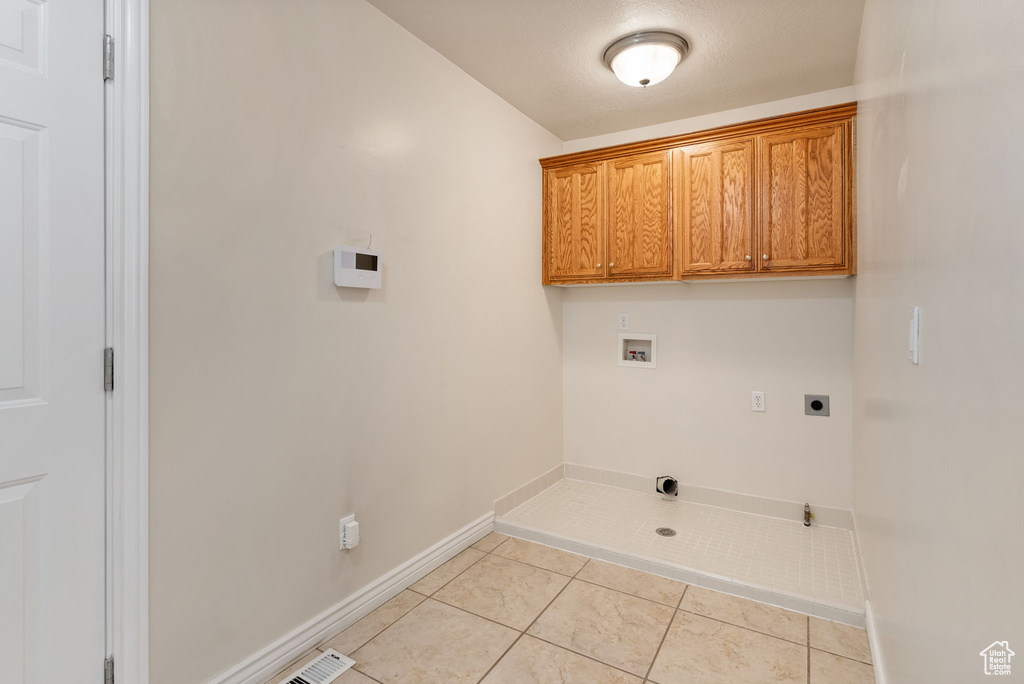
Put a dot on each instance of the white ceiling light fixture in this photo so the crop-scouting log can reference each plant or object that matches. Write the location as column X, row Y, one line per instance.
column 645, row 58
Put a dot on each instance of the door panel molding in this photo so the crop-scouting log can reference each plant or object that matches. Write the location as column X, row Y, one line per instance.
column 127, row 151
column 24, row 341
column 20, row 539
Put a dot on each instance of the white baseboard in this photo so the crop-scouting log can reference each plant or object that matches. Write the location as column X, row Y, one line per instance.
column 270, row 660
column 876, row 650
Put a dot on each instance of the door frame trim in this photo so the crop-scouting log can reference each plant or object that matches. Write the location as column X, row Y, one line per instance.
column 127, row 234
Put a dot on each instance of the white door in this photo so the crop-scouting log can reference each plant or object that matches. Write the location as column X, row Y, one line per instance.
column 51, row 342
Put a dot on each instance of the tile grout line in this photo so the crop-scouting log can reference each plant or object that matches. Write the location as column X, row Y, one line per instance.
column 425, row 597
column 808, row 649
column 844, row 657
column 629, row 593
column 657, row 652
column 523, row 633
column 501, row 657
column 468, row 612
column 382, row 630
column 508, row 536
column 587, row 558
column 583, row 655
column 453, row 578
column 678, row 605
column 577, row 578
column 565, row 648
column 377, row 681
column 744, row 627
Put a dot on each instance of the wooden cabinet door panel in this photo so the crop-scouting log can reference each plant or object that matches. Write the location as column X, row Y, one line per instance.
column 804, row 199
column 575, row 230
column 715, row 206
column 639, row 224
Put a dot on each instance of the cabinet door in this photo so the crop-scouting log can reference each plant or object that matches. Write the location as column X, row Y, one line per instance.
column 574, row 230
column 639, row 225
column 804, row 199
column 715, row 206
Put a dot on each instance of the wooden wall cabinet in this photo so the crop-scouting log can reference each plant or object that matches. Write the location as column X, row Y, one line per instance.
column 608, row 221
column 574, row 223
column 715, row 207
column 767, row 198
column 639, row 221
column 805, row 223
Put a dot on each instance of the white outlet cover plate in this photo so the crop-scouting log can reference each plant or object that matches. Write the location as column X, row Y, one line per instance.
column 341, row 530
column 757, row 401
column 915, row 335
column 624, row 322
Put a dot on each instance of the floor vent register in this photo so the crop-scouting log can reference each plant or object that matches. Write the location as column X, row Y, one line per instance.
column 327, row 667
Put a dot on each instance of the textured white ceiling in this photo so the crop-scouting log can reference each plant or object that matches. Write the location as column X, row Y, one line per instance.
column 544, row 56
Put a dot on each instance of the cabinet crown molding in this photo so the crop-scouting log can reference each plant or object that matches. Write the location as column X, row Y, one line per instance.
column 747, row 128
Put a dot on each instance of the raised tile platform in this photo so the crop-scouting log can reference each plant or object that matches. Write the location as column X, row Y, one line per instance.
column 809, row 569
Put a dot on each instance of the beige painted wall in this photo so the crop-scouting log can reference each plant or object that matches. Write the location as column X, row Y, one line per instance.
column 280, row 402
column 938, row 466
column 690, row 417
column 717, row 342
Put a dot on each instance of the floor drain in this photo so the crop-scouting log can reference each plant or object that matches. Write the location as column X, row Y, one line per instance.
column 666, row 531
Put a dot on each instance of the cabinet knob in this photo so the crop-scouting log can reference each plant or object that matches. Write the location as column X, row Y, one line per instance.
column 598, row 266
column 748, row 257
column 611, row 263
column 765, row 257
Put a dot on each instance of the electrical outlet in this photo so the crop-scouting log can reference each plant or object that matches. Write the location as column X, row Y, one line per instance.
column 757, row 401
column 624, row 322
column 343, row 542
column 915, row 335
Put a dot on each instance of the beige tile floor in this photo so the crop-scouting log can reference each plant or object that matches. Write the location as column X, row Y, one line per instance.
column 509, row 611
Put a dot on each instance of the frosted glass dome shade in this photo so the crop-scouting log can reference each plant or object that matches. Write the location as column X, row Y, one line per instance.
column 643, row 59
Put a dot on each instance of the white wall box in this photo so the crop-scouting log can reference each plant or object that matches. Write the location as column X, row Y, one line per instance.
column 638, row 350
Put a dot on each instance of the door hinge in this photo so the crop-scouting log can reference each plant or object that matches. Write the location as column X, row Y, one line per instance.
column 108, row 671
column 108, row 58
column 108, row 369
